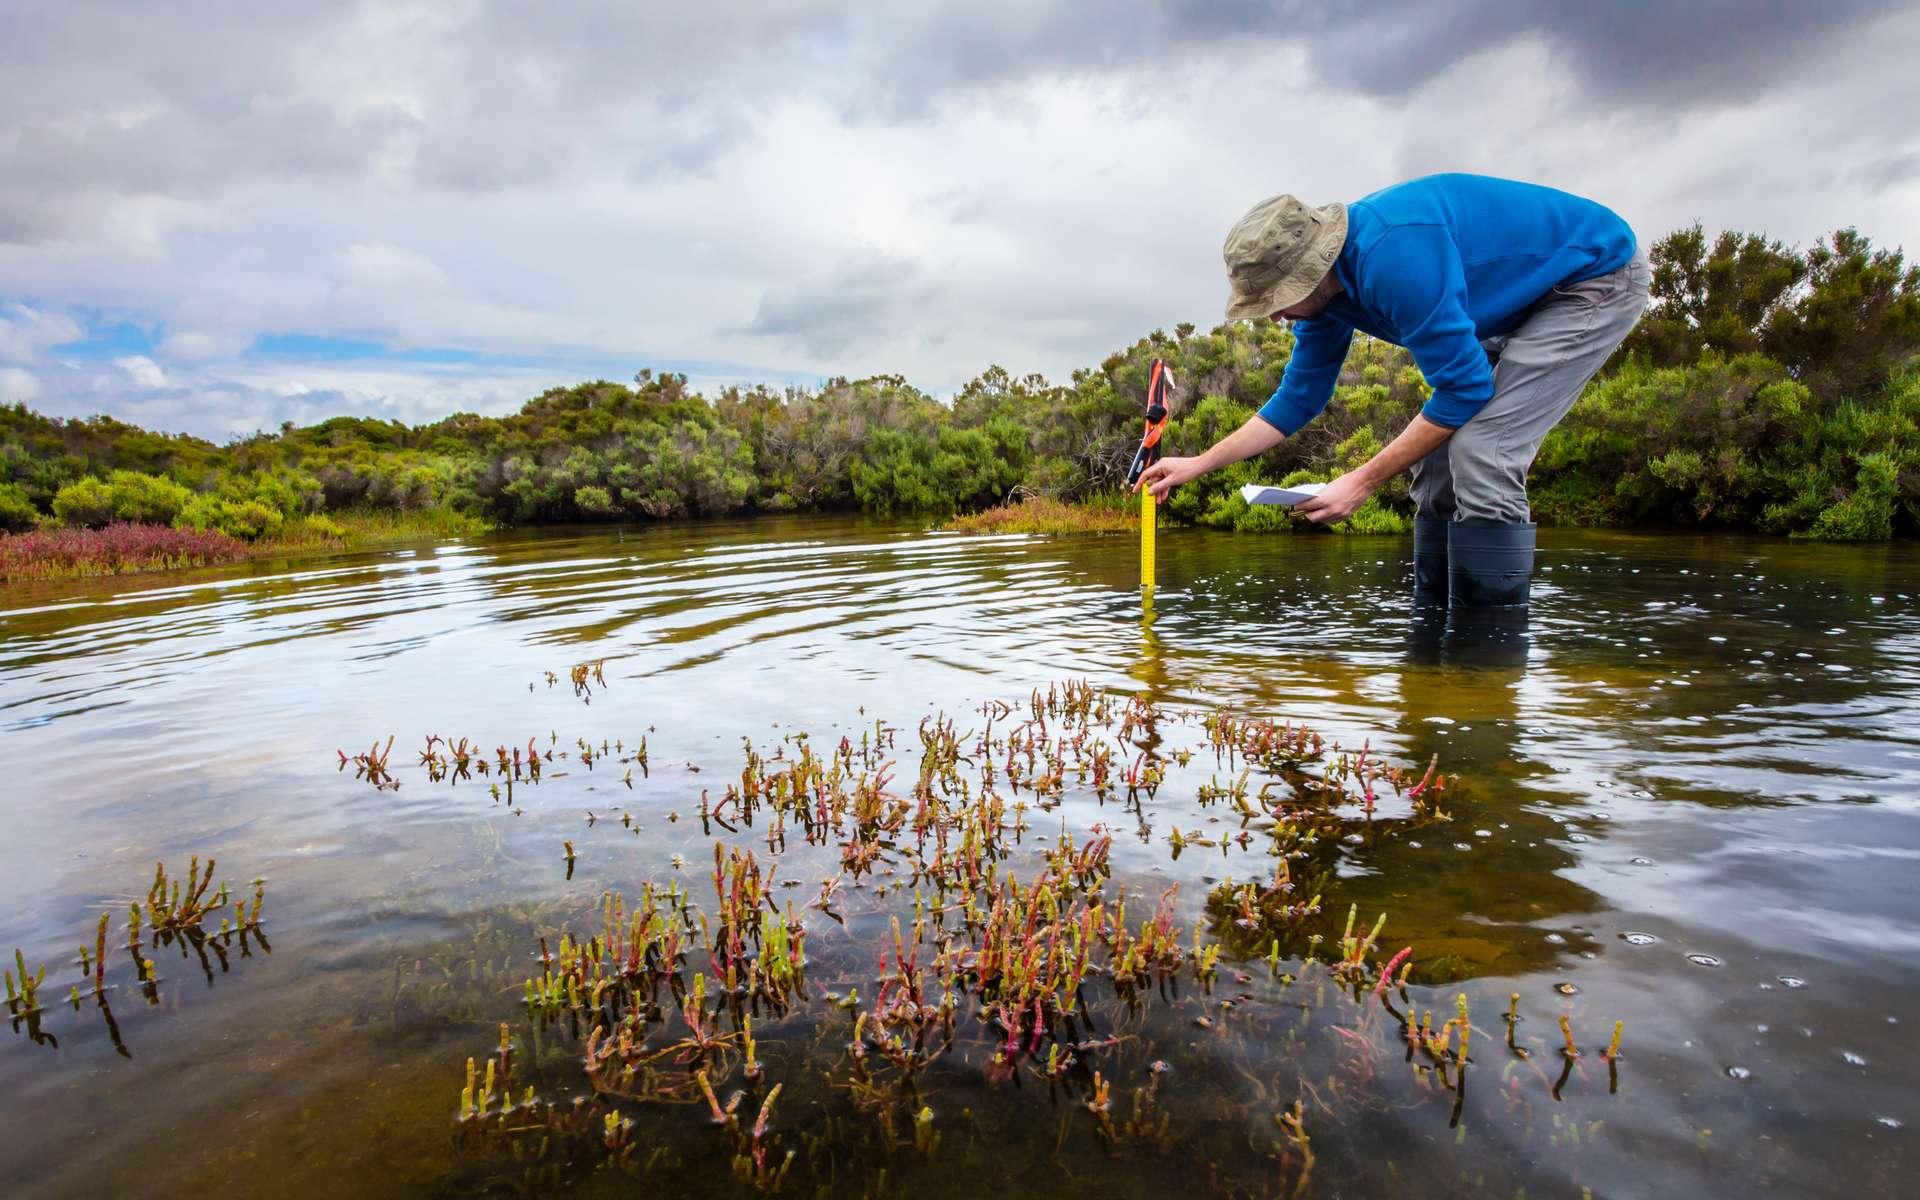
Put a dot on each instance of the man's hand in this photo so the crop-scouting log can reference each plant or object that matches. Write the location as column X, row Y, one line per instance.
column 1336, row 501
column 1169, row 473
column 1253, row 437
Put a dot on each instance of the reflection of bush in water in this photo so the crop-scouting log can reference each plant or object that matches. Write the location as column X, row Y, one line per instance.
column 1448, row 968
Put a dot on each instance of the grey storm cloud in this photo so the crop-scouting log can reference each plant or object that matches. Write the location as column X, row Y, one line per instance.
column 1633, row 53
column 182, row 98
column 874, row 298
column 1889, row 172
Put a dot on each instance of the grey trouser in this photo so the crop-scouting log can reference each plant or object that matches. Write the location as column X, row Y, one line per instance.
column 1481, row 472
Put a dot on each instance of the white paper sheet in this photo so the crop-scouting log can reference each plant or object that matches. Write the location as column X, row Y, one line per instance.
column 1265, row 493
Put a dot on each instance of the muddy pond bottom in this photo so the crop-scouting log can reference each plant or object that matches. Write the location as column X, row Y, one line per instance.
column 830, row 857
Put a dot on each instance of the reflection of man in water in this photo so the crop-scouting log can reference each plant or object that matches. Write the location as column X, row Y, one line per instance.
column 1508, row 295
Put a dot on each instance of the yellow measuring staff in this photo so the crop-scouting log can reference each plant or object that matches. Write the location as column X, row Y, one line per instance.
column 1148, row 511
column 1159, row 388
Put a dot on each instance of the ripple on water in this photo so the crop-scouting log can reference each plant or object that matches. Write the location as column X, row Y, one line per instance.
column 846, row 603
column 1739, row 1073
column 1792, row 981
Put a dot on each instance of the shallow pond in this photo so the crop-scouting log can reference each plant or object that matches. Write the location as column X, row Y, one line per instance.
column 1685, row 797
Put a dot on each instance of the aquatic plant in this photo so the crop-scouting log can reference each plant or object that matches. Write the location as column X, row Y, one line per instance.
column 583, row 677
column 973, row 938
column 174, row 913
column 23, row 989
column 372, row 765
column 174, row 909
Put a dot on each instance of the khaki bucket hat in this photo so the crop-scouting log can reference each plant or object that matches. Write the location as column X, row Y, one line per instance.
column 1279, row 252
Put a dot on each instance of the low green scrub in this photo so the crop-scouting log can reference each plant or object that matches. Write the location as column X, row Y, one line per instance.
column 939, row 472
column 1737, row 444
column 372, row 526
column 126, row 496
column 17, row 513
column 1768, row 388
column 1042, row 514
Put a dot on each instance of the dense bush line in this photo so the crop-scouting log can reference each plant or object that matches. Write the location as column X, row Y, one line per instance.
column 1768, row 389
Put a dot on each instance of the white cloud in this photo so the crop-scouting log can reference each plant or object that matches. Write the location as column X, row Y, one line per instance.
column 27, row 333
column 142, row 370
column 197, row 345
column 18, row 386
column 378, row 266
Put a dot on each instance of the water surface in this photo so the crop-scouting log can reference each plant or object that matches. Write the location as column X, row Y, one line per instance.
column 1687, row 789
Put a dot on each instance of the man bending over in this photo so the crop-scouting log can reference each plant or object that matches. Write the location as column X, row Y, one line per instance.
column 1509, row 297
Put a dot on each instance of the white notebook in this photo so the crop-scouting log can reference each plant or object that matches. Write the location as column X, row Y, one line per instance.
column 1264, row 493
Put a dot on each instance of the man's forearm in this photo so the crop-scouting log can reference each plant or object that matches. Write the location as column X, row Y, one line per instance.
column 1254, row 437
column 1420, row 438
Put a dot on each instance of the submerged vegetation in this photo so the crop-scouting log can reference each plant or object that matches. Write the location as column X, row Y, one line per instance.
column 1767, row 389
column 174, row 915
column 882, row 925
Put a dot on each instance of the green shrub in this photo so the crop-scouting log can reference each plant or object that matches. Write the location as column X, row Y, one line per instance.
column 144, row 499
column 1734, row 443
column 948, row 470
column 85, row 503
column 325, row 527
column 17, row 513
column 1053, row 477
column 248, row 520
column 594, row 501
column 1374, row 516
column 291, row 493
column 129, row 496
column 1867, row 513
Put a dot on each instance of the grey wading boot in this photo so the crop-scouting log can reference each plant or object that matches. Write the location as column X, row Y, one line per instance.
column 1489, row 563
column 1430, row 560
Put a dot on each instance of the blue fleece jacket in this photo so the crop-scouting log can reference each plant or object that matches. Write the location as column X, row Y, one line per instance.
column 1436, row 264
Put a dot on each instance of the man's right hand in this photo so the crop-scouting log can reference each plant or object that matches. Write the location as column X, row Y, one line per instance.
column 1169, row 473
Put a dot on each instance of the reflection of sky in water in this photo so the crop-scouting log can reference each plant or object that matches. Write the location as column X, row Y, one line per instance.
column 1714, row 741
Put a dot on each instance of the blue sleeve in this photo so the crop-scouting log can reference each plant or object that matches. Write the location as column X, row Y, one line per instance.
column 1319, row 347
column 1414, row 278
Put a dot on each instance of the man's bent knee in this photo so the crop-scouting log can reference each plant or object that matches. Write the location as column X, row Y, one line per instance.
column 1489, row 480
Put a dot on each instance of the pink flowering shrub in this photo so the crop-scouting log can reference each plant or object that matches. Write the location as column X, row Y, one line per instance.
column 65, row 553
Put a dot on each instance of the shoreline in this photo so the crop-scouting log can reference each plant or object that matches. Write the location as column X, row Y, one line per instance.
column 134, row 548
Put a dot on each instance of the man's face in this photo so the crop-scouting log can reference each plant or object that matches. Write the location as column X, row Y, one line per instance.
column 1312, row 304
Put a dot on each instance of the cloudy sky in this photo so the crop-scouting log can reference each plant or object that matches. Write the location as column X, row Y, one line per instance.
column 217, row 216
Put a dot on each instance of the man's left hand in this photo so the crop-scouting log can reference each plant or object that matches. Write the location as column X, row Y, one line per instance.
column 1337, row 501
